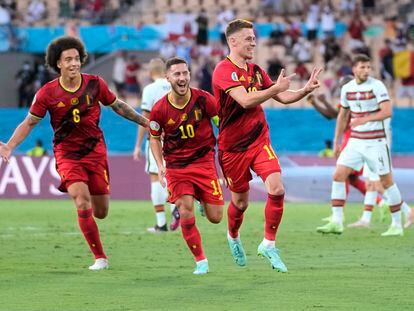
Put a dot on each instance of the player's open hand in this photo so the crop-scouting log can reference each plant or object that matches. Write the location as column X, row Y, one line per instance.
column 313, row 82
column 137, row 153
column 161, row 176
column 5, row 151
column 283, row 82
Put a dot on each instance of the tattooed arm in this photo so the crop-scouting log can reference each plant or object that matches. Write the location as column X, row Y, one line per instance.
column 20, row 133
column 126, row 111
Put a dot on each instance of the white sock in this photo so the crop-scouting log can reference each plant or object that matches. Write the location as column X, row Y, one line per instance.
column 230, row 237
column 396, row 219
column 366, row 216
column 405, row 209
column 172, row 207
column 161, row 220
column 337, row 214
column 338, row 191
column 393, row 195
column 202, row 260
column 370, row 198
column 268, row 243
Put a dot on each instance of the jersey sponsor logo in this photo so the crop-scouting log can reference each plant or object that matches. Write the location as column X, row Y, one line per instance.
column 360, row 95
column 154, row 126
column 170, row 122
column 234, row 76
column 61, row 104
column 242, row 79
column 184, row 117
column 74, row 101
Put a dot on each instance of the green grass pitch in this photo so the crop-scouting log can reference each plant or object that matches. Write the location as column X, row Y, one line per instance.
column 44, row 260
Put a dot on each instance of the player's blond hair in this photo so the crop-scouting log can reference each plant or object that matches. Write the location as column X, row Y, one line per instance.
column 237, row 25
column 157, row 66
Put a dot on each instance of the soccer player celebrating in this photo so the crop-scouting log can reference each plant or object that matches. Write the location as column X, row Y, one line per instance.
column 72, row 101
column 240, row 87
column 150, row 95
column 366, row 100
column 184, row 117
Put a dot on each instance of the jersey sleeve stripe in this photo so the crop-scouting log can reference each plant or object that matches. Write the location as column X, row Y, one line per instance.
column 265, row 88
column 156, row 136
column 37, row 117
column 116, row 98
column 232, row 87
column 384, row 100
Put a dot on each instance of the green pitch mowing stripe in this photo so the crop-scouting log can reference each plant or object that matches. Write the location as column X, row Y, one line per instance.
column 44, row 260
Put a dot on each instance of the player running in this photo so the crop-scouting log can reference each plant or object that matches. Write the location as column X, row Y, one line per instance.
column 240, row 88
column 184, row 117
column 72, row 101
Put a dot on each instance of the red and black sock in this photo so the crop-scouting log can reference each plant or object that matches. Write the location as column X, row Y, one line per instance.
column 273, row 215
column 90, row 231
column 234, row 220
column 192, row 237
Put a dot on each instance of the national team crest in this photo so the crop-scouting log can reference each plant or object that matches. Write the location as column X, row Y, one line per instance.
column 184, row 117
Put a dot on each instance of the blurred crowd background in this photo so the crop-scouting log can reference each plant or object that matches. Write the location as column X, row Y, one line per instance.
column 121, row 37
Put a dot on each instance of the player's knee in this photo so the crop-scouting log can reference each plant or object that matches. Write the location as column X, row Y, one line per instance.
column 216, row 216
column 186, row 210
column 241, row 204
column 339, row 176
column 276, row 189
column 100, row 213
column 82, row 202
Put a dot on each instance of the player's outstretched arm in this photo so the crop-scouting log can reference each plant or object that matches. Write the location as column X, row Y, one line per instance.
column 292, row 96
column 126, row 111
column 253, row 99
column 140, row 137
column 341, row 122
column 322, row 106
column 156, row 148
column 20, row 133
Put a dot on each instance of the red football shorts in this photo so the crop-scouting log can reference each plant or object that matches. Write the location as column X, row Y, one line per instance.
column 198, row 179
column 94, row 174
column 236, row 165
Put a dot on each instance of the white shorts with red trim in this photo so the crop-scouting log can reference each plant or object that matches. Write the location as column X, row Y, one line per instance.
column 372, row 152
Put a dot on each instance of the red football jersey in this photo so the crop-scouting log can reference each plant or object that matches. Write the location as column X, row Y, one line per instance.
column 74, row 116
column 188, row 133
column 239, row 127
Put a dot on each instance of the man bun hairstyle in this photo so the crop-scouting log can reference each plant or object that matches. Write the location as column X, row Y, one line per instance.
column 57, row 46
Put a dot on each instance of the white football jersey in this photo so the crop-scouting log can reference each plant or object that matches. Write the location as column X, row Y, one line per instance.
column 153, row 92
column 363, row 99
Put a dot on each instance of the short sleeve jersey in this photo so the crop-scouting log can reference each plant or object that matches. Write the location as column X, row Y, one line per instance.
column 188, row 133
column 240, row 128
column 153, row 92
column 363, row 99
column 74, row 116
